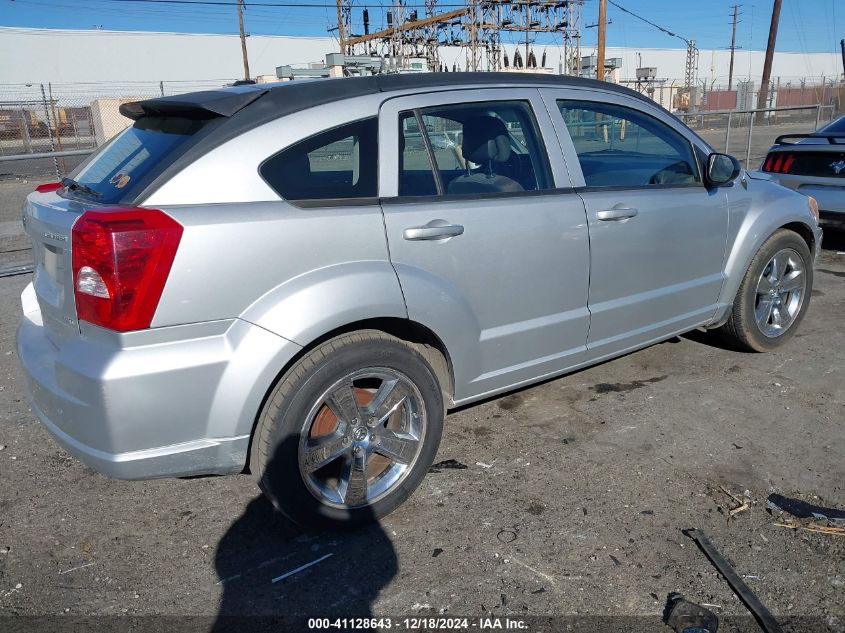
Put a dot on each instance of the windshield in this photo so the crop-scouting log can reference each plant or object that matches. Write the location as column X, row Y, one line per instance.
column 131, row 155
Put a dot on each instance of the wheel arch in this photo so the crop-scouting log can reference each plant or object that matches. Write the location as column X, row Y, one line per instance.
column 804, row 231
column 748, row 242
column 427, row 343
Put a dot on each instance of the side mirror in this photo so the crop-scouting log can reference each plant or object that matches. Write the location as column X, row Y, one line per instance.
column 721, row 169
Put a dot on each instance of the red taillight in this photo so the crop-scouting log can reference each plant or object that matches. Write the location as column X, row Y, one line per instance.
column 121, row 259
column 48, row 186
column 779, row 162
column 767, row 166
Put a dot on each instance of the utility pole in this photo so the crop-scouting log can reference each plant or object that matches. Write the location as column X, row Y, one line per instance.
column 763, row 95
column 341, row 27
column 842, row 46
column 733, row 47
column 243, row 38
column 600, row 51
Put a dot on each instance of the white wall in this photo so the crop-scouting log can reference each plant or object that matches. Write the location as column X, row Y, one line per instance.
column 37, row 55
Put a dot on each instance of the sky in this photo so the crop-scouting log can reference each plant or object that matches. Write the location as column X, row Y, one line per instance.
column 805, row 25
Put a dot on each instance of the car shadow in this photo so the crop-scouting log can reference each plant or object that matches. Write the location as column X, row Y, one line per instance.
column 712, row 338
column 276, row 574
column 833, row 239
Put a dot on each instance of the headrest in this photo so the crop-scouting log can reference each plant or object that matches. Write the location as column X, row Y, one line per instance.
column 486, row 139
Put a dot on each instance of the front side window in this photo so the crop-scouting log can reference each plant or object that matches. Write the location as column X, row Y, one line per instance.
column 336, row 164
column 471, row 148
column 622, row 147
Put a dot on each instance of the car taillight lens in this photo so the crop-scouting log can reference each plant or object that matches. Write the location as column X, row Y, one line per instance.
column 49, row 186
column 121, row 259
column 778, row 162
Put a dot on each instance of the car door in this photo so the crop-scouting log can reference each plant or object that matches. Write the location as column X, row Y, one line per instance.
column 657, row 234
column 486, row 235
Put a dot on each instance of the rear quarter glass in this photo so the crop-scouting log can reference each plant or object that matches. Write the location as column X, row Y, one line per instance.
column 147, row 146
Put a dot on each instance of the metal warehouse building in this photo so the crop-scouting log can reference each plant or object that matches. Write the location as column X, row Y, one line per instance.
column 73, row 56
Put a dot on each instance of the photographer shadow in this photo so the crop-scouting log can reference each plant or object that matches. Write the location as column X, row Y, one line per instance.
column 276, row 574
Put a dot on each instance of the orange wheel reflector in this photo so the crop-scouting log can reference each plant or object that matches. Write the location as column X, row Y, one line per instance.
column 325, row 422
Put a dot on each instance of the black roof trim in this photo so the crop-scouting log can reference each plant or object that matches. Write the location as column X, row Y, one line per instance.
column 390, row 83
column 288, row 97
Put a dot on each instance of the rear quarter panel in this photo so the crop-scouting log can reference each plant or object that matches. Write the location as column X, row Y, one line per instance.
column 295, row 272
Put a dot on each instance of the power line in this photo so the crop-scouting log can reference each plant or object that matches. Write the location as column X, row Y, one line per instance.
column 647, row 21
column 294, row 5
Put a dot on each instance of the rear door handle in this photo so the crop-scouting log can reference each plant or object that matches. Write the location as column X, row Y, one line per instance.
column 615, row 214
column 434, row 230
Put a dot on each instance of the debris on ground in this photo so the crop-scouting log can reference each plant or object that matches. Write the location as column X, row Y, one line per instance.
column 803, row 510
column 812, row 527
column 67, row 571
column 800, row 515
column 743, row 503
column 301, row 568
column 447, row 464
column 506, row 535
column 763, row 616
column 683, row 615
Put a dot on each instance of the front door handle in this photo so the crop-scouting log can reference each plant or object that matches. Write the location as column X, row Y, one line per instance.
column 434, row 230
column 616, row 213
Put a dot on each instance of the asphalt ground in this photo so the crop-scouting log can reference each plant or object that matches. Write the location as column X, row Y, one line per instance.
column 564, row 499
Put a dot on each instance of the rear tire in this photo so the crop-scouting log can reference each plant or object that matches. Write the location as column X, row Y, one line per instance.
column 349, row 431
column 774, row 294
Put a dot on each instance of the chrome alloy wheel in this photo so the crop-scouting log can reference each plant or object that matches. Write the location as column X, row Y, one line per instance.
column 362, row 437
column 780, row 293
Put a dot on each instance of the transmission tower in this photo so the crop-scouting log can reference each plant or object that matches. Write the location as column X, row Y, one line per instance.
column 477, row 28
column 530, row 17
column 691, row 72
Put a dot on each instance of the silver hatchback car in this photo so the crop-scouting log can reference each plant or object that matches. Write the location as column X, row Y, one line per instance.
column 300, row 279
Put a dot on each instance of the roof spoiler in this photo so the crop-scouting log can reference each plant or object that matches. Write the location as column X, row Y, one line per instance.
column 207, row 104
column 833, row 139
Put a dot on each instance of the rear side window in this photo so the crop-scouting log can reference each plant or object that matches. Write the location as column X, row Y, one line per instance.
column 339, row 163
column 133, row 154
column 475, row 148
column 622, row 147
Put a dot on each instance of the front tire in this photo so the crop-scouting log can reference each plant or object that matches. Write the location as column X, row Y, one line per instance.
column 349, row 431
column 774, row 294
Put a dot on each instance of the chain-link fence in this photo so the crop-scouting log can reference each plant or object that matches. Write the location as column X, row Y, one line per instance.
column 48, row 129
column 741, row 95
column 748, row 134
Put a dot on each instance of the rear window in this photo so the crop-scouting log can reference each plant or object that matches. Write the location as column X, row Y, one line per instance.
column 837, row 127
column 132, row 154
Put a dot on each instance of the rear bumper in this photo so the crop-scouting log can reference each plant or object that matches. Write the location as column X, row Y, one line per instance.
column 831, row 199
column 828, row 192
column 832, row 219
column 168, row 402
